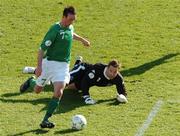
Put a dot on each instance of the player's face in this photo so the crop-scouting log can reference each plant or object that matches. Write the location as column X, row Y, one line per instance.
column 69, row 19
column 111, row 72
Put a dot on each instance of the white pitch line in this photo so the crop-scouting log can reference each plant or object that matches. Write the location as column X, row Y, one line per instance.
column 148, row 121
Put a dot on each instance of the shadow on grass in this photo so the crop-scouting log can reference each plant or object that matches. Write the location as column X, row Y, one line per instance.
column 47, row 88
column 44, row 132
column 35, row 131
column 72, row 99
column 65, row 131
column 34, row 102
column 147, row 66
column 112, row 101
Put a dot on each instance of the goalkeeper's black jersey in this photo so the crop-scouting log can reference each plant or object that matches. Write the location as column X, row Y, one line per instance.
column 86, row 75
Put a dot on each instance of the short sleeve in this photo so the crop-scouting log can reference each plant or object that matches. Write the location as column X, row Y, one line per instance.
column 49, row 38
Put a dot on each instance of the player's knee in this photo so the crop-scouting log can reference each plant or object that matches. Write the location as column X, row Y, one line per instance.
column 58, row 94
column 38, row 89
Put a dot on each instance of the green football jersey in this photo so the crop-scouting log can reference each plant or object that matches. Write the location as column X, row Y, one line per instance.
column 57, row 43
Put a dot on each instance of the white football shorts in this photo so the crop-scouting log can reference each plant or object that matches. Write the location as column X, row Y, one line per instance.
column 53, row 71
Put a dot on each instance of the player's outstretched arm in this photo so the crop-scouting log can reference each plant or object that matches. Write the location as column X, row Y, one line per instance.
column 121, row 90
column 84, row 41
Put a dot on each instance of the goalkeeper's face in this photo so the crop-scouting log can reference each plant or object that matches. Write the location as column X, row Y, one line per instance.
column 112, row 72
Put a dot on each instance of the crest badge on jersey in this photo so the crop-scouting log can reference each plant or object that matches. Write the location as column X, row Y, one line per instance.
column 91, row 75
column 48, row 43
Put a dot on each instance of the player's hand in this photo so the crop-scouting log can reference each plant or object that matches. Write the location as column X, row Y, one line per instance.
column 121, row 98
column 38, row 71
column 86, row 42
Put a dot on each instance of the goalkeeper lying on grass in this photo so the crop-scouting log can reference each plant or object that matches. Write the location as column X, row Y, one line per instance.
column 85, row 75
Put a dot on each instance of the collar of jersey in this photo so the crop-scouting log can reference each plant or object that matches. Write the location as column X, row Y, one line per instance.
column 63, row 26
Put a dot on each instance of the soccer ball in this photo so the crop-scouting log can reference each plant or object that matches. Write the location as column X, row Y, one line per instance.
column 78, row 122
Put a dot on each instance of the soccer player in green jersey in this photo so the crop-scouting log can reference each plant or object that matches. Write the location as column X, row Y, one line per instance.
column 53, row 61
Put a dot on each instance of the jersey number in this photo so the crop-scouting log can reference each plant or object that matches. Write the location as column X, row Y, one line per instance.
column 43, row 81
column 62, row 33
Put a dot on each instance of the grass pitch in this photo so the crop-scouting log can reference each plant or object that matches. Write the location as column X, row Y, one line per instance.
column 142, row 34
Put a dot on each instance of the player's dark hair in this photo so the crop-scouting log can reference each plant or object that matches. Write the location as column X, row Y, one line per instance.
column 114, row 63
column 69, row 10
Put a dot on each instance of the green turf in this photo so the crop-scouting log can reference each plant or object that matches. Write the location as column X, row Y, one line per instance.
column 143, row 34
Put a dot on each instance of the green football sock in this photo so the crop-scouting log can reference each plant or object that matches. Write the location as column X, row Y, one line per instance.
column 32, row 83
column 54, row 102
